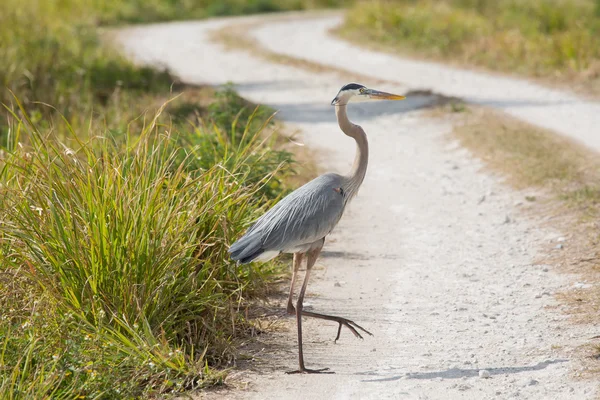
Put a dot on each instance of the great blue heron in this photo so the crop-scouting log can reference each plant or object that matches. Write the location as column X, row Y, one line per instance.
column 299, row 222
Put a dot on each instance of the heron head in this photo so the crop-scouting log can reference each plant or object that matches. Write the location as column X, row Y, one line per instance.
column 358, row 92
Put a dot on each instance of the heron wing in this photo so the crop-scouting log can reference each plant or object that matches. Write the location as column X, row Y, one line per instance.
column 304, row 216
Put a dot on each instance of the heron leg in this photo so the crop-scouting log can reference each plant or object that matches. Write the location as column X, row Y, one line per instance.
column 311, row 259
column 353, row 326
column 298, row 257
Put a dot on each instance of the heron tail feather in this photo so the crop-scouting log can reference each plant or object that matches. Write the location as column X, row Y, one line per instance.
column 246, row 249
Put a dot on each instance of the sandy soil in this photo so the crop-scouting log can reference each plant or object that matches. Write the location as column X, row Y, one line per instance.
column 434, row 257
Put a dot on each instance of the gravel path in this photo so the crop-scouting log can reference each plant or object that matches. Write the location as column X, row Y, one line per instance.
column 552, row 109
column 434, row 257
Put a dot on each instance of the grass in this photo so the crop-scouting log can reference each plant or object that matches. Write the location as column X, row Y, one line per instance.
column 557, row 40
column 114, row 276
column 136, row 11
column 534, row 157
column 120, row 191
column 51, row 53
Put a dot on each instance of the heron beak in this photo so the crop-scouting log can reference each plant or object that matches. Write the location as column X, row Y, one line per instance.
column 377, row 95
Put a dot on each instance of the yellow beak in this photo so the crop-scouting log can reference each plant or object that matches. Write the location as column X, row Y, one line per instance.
column 377, row 95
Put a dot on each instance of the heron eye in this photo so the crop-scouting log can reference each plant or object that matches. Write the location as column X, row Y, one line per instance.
column 361, row 90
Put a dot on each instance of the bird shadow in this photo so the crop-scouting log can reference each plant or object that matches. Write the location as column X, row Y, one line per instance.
column 457, row 373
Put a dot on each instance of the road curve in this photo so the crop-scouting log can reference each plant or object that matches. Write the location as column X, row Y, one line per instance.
column 434, row 257
column 553, row 109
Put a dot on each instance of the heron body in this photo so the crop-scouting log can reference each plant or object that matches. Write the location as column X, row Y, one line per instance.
column 300, row 222
column 297, row 222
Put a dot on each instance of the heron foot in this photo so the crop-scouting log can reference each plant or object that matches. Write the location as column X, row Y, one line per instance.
column 291, row 309
column 311, row 371
column 351, row 325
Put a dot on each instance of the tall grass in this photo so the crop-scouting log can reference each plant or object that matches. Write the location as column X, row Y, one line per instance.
column 114, row 275
column 51, row 53
column 544, row 38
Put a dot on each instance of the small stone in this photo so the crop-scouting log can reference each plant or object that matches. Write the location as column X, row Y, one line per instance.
column 561, row 239
column 484, row 374
column 507, row 220
column 463, row 387
column 531, row 382
column 337, row 284
column 558, row 246
column 581, row 285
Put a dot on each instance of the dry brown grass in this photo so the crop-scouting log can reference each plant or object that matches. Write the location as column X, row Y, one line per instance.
column 568, row 175
column 531, row 156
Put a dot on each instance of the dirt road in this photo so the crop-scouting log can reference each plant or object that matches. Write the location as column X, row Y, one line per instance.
column 434, row 257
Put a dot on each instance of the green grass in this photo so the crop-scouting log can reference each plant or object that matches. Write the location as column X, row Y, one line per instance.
column 114, row 275
column 116, row 211
column 554, row 39
column 135, row 11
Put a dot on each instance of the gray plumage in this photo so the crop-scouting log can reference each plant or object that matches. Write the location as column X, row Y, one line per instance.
column 300, row 219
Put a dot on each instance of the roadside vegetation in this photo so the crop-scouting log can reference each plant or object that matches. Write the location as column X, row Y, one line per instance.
column 120, row 191
column 162, row 10
column 114, row 276
column 558, row 40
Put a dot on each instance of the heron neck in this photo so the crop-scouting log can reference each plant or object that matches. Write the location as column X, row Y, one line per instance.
column 361, row 159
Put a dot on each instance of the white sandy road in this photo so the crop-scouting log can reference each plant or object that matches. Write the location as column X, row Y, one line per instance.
column 549, row 108
column 444, row 280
